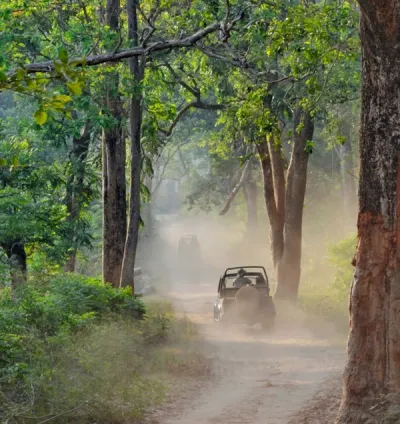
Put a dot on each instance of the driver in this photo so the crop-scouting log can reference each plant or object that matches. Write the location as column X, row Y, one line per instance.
column 241, row 280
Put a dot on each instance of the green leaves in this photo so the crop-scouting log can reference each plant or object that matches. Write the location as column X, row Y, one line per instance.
column 63, row 55
column 310, row 145
column 75, row 87
column 40, row 116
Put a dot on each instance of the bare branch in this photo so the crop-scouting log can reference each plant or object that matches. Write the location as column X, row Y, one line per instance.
column 236, row 189
column 195, row 91
column 164, row 168
column 198, row 104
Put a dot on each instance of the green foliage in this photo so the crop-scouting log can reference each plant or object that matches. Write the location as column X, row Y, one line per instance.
column 340, row 256
column 65, row 304
column 328, row 298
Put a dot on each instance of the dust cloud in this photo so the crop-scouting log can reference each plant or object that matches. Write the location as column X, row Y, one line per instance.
column 258, row 377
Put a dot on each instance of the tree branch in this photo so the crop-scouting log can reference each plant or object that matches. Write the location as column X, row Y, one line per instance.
column 190, row 41
column 195, row 91
column 236, row 189
column 198, row 104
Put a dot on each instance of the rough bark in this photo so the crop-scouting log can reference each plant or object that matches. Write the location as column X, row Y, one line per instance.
column 78, row 155
column 114, row 185
column 289, row 269
column 132, row 237
column 373, row 365
column 16, row 255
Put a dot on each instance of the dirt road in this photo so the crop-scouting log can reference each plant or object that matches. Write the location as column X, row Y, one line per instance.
column 258, row 378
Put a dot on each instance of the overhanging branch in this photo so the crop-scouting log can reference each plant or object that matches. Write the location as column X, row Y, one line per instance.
column 158, row 46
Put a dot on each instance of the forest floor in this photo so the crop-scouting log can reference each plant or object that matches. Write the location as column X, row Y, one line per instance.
column 292, row 375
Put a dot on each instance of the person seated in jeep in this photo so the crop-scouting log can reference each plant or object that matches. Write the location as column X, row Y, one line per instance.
column 241, row 280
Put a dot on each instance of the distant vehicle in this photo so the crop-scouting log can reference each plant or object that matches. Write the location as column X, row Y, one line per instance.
column 244, row 297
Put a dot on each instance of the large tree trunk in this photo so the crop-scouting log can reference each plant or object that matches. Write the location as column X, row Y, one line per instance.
column 373, row 365
column 288, row 271
column 78, row 155
column 135, row 65
column 16, row 255
column 114, row 184
column 276, row 218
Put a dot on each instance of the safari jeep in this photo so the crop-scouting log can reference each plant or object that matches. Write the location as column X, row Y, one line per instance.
column 248, row 303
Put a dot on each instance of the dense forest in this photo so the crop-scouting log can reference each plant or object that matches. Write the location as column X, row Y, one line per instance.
column 118, row 118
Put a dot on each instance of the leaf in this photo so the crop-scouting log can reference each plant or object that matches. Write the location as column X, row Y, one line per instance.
column 62, row 98
column 15, row 161
column 75, row 88
column 310, row 145
column 31, row 84
column 40, row 116
column 63, row 55
column 3, row 162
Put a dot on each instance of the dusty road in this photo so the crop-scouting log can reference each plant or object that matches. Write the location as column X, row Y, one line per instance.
column 258, row 378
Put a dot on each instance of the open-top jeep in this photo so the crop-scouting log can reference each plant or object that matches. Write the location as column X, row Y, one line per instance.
column 244, row 296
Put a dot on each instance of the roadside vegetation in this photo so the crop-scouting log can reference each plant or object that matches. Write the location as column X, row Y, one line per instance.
column 73, row 350
column 324, row 291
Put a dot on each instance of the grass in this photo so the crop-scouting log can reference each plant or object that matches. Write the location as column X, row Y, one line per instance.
column 325, row 287
column 322, row 305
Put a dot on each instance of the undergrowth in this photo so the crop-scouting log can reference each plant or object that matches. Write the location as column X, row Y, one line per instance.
column 74, row 350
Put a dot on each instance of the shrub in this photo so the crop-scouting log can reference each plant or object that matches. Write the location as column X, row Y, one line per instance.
column 73, row 351
column 64, row 305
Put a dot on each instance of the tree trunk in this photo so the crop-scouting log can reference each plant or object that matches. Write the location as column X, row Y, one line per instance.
column 16, row 255
column 114, row 185
column 78, row 155
column 278, row 172
column 135, row 65
column 373, row 365
column 276, row 219
column 289, row 266
column 250, row 194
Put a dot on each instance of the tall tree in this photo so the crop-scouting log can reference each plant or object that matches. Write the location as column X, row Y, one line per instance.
column 114, row 183
column 289, row 265
column 136, row 67
column 74, row 189
column 373, row 365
